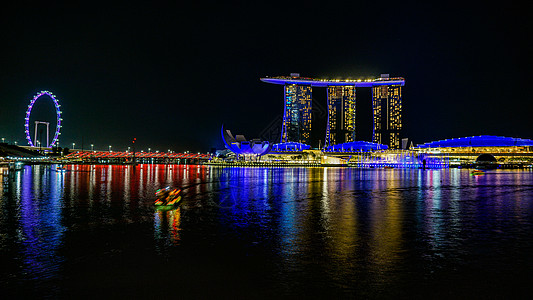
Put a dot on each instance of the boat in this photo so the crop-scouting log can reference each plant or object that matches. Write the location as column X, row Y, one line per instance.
column 60, row 169
column 167, row 198
column 477, row 172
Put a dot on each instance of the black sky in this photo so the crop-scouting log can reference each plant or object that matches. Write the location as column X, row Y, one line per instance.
column 171, row 75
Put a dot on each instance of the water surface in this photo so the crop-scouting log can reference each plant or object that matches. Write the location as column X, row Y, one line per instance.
column 265, row 232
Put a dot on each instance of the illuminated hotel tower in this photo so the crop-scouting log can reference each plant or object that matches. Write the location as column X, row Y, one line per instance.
column 387, row 108
column 341, row 115
column 297, row 115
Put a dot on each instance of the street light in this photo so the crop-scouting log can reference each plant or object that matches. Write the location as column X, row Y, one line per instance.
column 73, row 144
column 148, row 149
column 3, row 140
column 109, row 148
column 92, row 147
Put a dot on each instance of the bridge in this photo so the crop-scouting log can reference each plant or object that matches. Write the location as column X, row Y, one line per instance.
column 140, row 157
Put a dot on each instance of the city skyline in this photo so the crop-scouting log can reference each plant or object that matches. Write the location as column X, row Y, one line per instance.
column 170, row 79
column 389, row 156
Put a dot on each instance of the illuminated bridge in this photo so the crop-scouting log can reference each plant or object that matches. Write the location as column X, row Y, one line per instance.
column 140, row 157
column 341, row 98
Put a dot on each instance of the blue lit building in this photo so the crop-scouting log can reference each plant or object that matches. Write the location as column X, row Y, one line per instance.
column 490, row 142
column 240, row 146
column 507, row 151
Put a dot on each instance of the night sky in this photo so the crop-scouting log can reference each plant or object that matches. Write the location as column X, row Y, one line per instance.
column 171, row 75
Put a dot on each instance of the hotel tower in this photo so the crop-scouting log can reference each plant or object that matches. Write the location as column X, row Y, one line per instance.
column 296, row 125
column 386, row 108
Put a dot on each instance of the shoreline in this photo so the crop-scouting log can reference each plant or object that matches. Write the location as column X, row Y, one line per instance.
column 276, row 165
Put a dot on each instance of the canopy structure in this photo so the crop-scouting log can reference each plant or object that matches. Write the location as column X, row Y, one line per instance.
column 478, row 141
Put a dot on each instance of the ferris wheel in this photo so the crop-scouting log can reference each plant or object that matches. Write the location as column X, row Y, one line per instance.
column 55, row 140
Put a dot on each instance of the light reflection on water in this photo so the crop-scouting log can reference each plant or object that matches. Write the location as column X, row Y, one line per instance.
column 281, row 231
